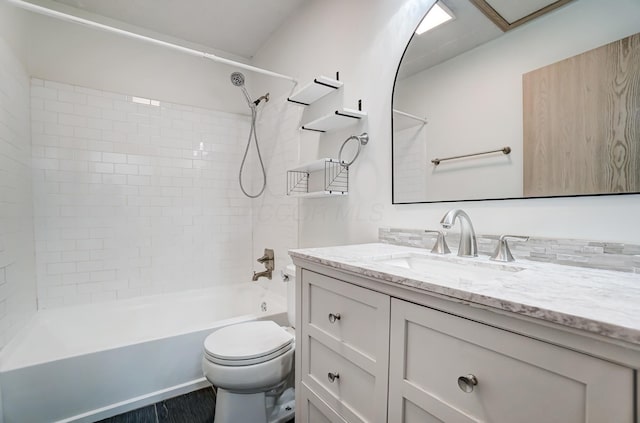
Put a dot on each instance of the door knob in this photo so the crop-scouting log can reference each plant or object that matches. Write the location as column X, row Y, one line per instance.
column 333, row 376
column 466, row 383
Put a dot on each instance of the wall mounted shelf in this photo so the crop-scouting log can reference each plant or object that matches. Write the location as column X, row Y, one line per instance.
column 315, row 90
column 336, row 120
column 325, row 177
column 320, row 194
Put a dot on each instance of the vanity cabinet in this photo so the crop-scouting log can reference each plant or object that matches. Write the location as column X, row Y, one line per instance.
column 369, row 355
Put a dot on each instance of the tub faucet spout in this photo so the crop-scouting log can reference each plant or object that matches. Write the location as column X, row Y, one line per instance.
column 264, row 273
column 468, row 245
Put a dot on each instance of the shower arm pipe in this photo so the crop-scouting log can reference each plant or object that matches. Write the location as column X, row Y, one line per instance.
column 70, row 18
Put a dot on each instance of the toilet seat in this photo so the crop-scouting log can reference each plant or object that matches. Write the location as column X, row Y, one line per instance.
column 248, row 343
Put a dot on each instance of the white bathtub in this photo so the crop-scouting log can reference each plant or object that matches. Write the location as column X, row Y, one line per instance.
column 90, row 362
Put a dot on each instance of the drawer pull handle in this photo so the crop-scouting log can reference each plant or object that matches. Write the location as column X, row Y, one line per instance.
column 333, row 376
column 466, row 383
column 334, row 317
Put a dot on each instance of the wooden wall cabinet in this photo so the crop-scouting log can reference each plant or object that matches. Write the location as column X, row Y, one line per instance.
column 581, row 126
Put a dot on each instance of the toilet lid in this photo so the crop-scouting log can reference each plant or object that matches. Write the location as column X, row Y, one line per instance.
column 251, row 343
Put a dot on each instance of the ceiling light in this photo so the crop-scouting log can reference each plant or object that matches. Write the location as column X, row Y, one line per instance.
column 438, row 15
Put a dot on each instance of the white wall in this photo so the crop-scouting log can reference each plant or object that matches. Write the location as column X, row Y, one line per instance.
column 74, row 54
column 474, row 101
column 365, row 40
column 134, row 199
column 17, row 265
column 410, row 153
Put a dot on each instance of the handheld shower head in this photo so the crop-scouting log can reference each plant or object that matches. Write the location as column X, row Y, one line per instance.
column 237, row 79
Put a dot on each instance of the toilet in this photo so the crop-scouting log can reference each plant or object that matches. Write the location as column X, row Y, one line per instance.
column 251, row 364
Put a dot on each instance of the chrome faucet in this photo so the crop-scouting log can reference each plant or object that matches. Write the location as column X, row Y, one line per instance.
column 468, row 245
column 269, row 262
column 502, row 252
column 440, row 246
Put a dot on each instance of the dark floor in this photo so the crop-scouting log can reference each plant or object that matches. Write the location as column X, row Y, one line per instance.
column 194, row 407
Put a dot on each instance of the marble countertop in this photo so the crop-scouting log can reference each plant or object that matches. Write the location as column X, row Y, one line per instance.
column 598, row 301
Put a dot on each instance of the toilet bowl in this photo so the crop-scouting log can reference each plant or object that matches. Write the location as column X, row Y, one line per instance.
column 251, row 364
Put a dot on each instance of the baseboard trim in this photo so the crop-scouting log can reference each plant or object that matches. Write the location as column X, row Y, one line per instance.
column 137, row 402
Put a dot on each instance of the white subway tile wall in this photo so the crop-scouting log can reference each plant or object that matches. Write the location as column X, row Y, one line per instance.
column 17, row 262
column 134, row 199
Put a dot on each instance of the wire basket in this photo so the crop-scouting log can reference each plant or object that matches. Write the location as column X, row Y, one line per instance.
column 319, row 178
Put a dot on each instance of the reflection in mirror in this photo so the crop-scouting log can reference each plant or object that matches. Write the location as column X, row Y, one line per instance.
column 568, row 110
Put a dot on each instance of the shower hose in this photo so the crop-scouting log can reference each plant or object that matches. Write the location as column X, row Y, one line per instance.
column 253, row 134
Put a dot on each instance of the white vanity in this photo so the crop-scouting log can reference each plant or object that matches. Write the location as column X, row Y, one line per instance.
column 381, row 338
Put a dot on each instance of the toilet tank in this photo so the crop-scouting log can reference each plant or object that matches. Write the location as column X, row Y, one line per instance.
column 289, row 278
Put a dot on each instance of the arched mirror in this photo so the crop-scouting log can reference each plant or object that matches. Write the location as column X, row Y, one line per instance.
column 521, row 99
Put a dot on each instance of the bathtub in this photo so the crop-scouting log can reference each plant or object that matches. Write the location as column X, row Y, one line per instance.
column 86, row 363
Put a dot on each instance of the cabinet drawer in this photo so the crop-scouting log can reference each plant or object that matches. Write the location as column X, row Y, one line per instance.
column 314, row 410
column 519, row 379
column 351, row 391
column 344, row 313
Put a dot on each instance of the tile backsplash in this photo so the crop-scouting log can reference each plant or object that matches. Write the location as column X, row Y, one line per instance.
column 133, row 196
column 571, row 252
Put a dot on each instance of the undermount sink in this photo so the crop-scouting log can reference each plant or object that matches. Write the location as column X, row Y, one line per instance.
column 467, row 269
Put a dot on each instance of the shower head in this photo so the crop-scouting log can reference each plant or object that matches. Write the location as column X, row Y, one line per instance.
column 237, row 79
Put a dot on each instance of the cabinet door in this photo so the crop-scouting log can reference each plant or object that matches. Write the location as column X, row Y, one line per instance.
column 519, row 379
column 313, row 409
column 344, row 349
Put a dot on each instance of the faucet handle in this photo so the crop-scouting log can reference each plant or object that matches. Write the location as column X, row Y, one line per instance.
column 440, row 246
column 268, row 255
column 502, row 252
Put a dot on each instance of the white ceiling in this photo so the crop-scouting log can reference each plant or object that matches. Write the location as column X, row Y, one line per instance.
column 239, row 27
column 469, row 29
